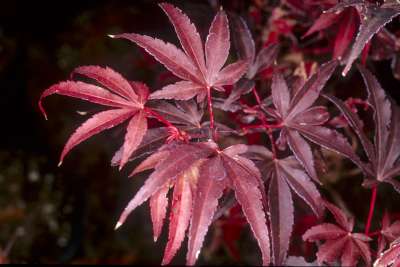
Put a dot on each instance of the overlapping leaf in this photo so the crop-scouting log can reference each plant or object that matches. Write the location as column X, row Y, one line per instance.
column 388, row 233
column 299, row 119
column 246, row 50
column 199, row 173
column 284, row 176
column 347, row 13
column 127, row 100
column 340, row 241
column 385, row 151
column 200, row 69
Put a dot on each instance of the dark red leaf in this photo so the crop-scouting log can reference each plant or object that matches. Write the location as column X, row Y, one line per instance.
column 209, row 189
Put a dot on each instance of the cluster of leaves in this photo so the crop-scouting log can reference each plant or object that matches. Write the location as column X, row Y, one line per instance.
column 187, row 154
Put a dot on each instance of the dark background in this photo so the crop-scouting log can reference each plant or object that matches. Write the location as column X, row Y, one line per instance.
column 67, row 214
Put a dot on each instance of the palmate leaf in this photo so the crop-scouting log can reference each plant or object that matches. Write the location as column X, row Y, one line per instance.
column 389, row 232
column 284, row 176
column 340, row 241
column 382, row 155
column 127, row 99
column 345, row 19
column 199, row 173
column 372, row 17
column 245, row 49
column 200, row 69
column 299, row 119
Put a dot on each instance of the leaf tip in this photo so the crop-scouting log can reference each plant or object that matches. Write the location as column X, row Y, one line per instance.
column 42, row 109
column 117, row 225
column 111, row 35
column 60, row 163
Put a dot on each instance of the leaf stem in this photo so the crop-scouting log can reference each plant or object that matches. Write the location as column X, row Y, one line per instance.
column 160, row 118
column 258, row 99
column 210, row 111
column 371, row 210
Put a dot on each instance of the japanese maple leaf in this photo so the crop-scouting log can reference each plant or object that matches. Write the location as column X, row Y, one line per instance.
column 200, row 69
column 390, row 257
column 388, row 233
column 246, row 50
column 127, row 100
column 185, row 115
column 199, row 173
column 285, row 177
column 383, row 154
column 347, row 20
column 297, row 118
column 340, row 241
column 373, row 18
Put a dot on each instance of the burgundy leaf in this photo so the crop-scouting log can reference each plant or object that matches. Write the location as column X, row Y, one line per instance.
column 309, row 93
column 184, row 157
column 393, row 143
column 280, row 94
column 242, row 38
column 192, row 110
column 158, row 209
column 373, row 19
column 217, row 45
column 151, row 141
column 181, row 210
column 136, row 129
column 242, row 87
column 249, row 197
column 142, row 91
column 330, row 250
column 345, row 34
column 363, row 249
column 356, row 123
column 323, row 231
column 182, row 90
column 85, row 91
column 339, row 216
column 300, row 182
column 209, row 189
column 350, row 254
column 174, row 59
column 381, row 105
column 280, row 216
column 332, row 140
column 231, row 73
column 235, row 150
column 265, row 58
column 324, row 21
column 96, row 124
column 303, row 153
column 317, row 115
column 110, row 79
column 150, row 162
column 187, row 34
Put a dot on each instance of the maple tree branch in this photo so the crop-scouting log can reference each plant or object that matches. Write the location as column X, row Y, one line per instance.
column 371, row 210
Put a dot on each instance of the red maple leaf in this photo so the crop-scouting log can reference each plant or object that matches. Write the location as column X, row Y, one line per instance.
column 200, row 69
column 126, row 98
column 199, row 173
column 340, row 241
